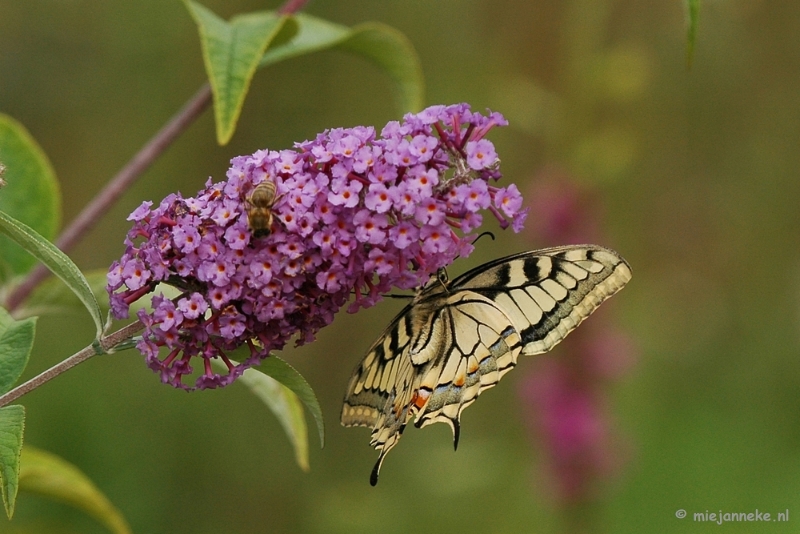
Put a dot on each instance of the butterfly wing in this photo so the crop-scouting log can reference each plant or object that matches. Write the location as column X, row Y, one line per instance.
column 480, row 346
column 432, row 361
column 380, row 392
column 547, row 293
column 376, row 379
column 522, row 304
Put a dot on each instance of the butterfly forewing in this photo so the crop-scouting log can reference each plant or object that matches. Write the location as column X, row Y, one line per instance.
column 459, row 338
column 548, row 293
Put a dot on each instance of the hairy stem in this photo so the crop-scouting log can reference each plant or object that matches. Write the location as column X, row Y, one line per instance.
column 106, row 344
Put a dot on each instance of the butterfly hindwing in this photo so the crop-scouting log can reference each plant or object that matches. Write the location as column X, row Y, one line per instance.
column 381, row 391
column 459, row 338
column 481, row 347
column 376, row 378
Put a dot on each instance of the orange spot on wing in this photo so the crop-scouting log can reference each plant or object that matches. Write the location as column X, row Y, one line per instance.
column 420, row 398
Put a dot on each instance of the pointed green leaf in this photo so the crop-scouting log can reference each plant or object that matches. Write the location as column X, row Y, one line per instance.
column 287, row 32
column 50, row 476
column 16, row 342
column 31, row 193
column 55, row 260
column 692, row 15
column 231, row 52
column 383, row 45
column 287, row 408
column 289, row 377
column 313, row 35
column 12, row 424
column 393, row 53
column 282, row 388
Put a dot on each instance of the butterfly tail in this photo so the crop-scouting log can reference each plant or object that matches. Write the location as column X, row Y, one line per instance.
column 373, row 478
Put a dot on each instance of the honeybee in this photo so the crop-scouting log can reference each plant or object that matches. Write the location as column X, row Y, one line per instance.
column 259, row 208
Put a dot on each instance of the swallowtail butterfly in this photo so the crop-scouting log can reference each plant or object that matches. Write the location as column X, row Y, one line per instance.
column 458, row 338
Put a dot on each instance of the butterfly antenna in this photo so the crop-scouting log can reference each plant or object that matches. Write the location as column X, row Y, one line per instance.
column 390, row 295
column 393, row 296
column 487, row 233
column 490, row 234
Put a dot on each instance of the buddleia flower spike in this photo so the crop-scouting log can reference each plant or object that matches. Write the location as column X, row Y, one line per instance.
column 353, row 212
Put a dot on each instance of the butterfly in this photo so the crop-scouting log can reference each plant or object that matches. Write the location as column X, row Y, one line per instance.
column 457, row 338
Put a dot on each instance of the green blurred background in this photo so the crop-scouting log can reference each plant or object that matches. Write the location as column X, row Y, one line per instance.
column 697, row 175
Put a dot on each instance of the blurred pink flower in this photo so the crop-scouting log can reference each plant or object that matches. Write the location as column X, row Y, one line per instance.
column 565, row 214
column 565, row 393
column 568, row 413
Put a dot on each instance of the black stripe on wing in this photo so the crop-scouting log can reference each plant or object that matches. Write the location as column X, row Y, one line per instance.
column 372, row 382
column 548, row 293
column 481, row 346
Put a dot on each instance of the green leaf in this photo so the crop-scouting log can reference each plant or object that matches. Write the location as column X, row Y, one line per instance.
column 287, row 408
column 12, row 424
column 55, row 260
column 313, row 35
column 52, row 296
column 231, row 52
column 31, row 195
column 692, row 15
column 50, row 476
column 393, row 53
column 16, row 342
column 282, row 388
column 289, row 377
column 383, row 45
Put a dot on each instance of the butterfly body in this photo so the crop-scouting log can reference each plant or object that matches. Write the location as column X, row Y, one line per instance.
column 458, row 338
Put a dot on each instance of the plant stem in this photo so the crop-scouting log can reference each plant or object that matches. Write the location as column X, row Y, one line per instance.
column 100, row 204
column 107, row 343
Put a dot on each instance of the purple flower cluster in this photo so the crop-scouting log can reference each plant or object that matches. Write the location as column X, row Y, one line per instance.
column 354, row 213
